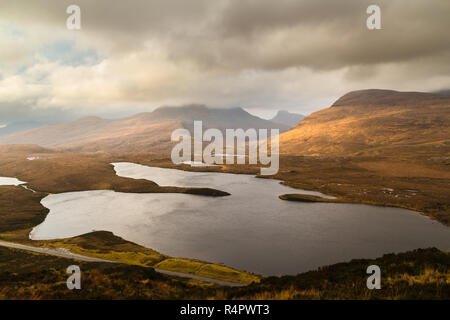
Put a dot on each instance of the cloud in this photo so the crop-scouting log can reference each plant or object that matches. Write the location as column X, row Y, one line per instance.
column 289, row 54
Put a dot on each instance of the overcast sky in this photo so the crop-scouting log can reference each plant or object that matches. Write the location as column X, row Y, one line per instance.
column 263, row 55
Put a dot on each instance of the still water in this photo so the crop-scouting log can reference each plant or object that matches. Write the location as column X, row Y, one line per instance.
column 4, row 181
column 251, row 230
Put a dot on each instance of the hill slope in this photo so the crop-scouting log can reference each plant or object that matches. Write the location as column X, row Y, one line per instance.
column 374, row 122
column 149, row 132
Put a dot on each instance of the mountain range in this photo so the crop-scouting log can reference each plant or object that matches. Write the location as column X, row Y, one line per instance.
column 149, row 132
column 365, row 122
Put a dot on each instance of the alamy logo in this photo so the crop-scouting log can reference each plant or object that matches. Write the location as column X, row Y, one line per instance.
column 374, row 20
column 74, row 20
column 374, row 281
column 74, row 281
column 237, row 140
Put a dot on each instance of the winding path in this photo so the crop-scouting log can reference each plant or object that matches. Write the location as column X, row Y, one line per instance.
column 59, row 252
column 64, row 253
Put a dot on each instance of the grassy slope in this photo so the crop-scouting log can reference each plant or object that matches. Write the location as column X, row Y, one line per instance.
column 211, row 270
column 25, row 275
column 105, row 245
column 421, row 274
column 364, row 122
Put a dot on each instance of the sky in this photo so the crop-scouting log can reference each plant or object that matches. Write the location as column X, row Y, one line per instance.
column 136, row 55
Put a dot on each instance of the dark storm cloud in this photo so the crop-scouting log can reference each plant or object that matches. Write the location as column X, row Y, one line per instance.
column 262, row 34
column 324, row 34
column 255, row 53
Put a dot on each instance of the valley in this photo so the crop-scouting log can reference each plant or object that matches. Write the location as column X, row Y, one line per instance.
column 302, row 236
column 408, row 173
column 225, row 150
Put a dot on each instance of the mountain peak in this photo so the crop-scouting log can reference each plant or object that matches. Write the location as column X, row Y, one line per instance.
column 374, row 122
column 285, row 113
column 287, row 118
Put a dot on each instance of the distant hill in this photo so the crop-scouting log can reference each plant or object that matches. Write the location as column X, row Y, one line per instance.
column 149, row 132
column 287, row 118
column 371, row 122
column 212, row 118
column 443, row 92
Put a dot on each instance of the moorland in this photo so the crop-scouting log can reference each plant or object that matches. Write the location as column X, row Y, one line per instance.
column 374, row 147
